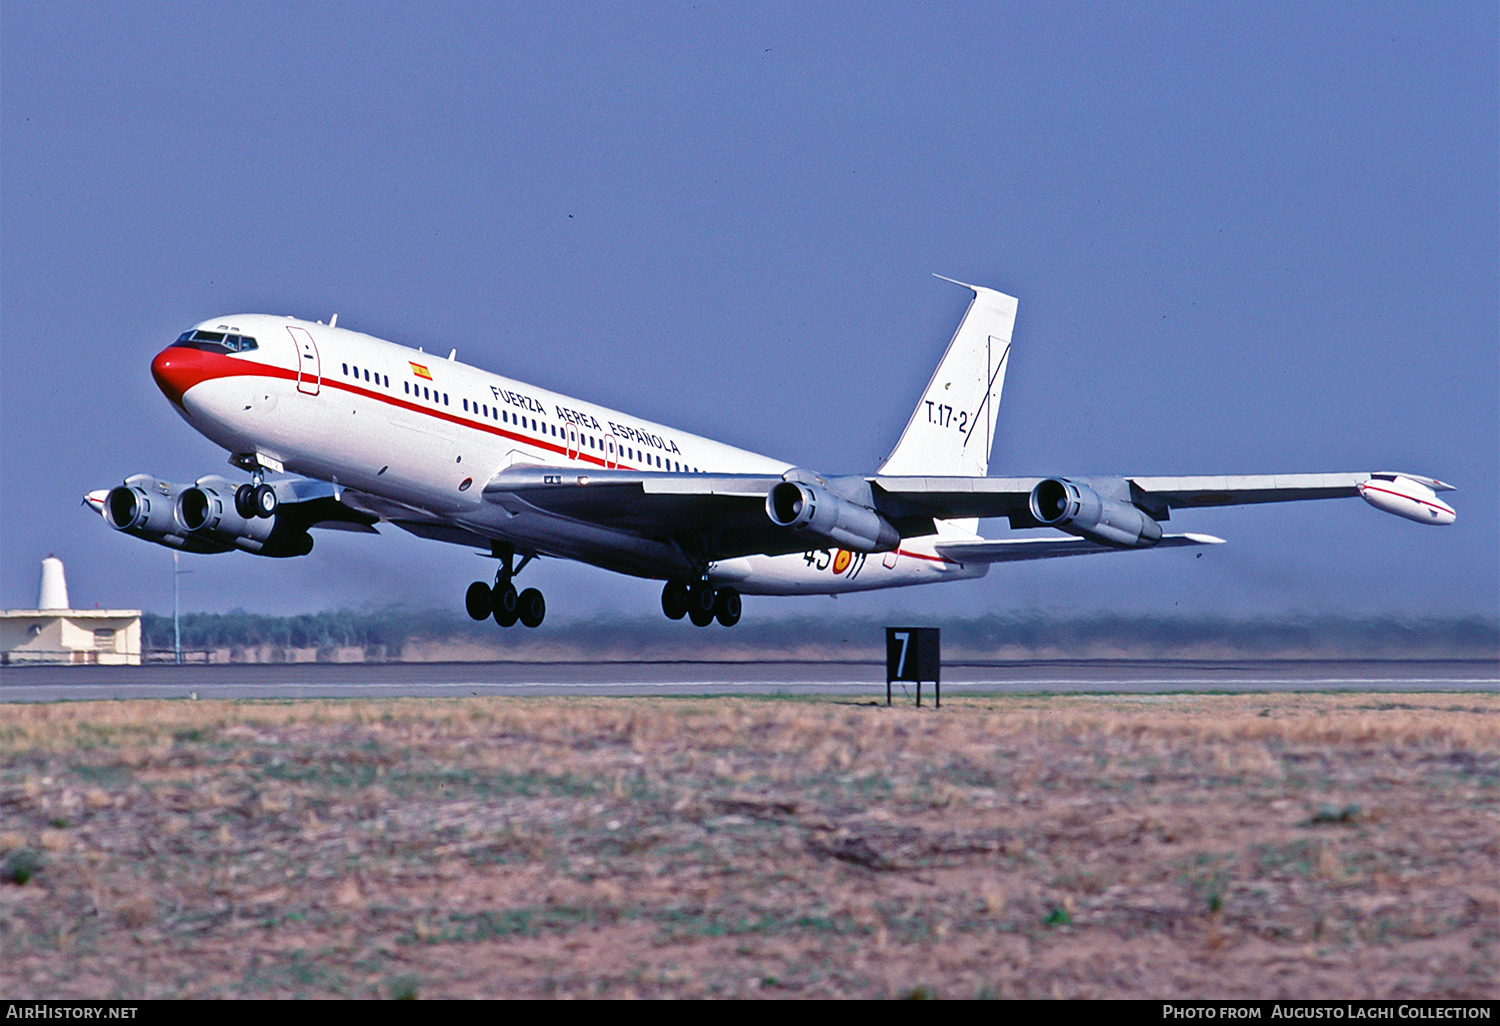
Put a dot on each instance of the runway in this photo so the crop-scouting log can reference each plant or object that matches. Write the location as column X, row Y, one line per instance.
column 848, row 679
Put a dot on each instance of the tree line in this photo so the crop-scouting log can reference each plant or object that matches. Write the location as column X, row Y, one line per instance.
column 389, row 630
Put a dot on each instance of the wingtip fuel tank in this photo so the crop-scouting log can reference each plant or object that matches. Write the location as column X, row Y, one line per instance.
column 1408, row 497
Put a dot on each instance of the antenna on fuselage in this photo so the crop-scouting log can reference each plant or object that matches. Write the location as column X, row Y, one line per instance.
column 451, row 354
column 333, row 322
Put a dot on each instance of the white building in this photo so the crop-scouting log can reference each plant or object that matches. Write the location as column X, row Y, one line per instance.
column 53, row 633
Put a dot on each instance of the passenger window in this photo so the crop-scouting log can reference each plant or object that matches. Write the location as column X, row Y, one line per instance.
column 367, row 375
column 346, row 370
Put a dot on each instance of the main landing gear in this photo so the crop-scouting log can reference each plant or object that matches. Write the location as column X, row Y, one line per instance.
column 701, row 603
column 502, row 601
column 256, row 499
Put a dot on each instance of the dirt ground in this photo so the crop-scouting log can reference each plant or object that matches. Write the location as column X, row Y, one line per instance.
column 1165, row 846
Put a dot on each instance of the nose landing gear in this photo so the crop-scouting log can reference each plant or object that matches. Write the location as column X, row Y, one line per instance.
column 256, row 499
column 502, row 601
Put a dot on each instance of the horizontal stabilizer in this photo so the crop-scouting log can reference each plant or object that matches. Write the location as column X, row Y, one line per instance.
column 1016, row 549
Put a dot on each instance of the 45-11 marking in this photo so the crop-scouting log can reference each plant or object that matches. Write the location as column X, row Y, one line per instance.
column 837, row 560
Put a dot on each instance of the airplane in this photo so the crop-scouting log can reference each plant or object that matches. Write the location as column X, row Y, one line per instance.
column 361, row 431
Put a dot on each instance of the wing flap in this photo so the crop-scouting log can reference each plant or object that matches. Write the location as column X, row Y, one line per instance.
column 1013, row 550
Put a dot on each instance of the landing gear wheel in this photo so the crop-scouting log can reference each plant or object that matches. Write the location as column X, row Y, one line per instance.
column 674, row 600
column 727, row 606
column 701, row 599
column 478, row 601
column 701, row 605
column 244, row 501
column 507, row 605
column 265, row 501
column 532, row 607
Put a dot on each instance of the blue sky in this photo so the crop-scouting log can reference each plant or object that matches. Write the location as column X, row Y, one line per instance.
column 1245, row 238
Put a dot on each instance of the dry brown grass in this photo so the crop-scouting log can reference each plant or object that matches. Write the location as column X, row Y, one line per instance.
column 1265, row 846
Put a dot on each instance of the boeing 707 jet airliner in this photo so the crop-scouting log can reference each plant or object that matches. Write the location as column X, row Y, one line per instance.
column 356, row 431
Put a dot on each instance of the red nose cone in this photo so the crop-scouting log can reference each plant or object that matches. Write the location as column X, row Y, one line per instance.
column 177, row 369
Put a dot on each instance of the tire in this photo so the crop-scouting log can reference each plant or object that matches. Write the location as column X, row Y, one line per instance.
column 674, row 600
column 727, row 607
column 478, row 601
column 507, row 605
column 701, row 599
column 244, row 501
column 265, row 501
column 701, row 617
column 532, row 607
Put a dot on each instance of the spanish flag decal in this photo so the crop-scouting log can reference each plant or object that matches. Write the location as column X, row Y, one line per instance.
column 420, row 371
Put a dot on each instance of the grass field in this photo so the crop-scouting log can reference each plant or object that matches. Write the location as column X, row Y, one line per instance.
column 1161, row 846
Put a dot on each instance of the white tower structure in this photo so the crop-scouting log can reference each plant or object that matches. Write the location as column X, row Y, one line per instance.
column 54, row 632
column 54, row 591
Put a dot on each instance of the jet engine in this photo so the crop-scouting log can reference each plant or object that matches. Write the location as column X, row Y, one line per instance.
column 146, row 507
column 1076, row 508
column 817, row 513
column 207, row 510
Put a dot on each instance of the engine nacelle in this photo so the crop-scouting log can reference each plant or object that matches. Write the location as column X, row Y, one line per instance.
column 143, row 506
column 147, row 508
column 817, row 513
column 207, row 510
column 1076, row 508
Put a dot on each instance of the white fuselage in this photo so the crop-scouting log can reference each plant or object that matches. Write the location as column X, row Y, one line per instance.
column 425, row 433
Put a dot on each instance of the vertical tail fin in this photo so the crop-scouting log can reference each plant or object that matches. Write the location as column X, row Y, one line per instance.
column 950, row 433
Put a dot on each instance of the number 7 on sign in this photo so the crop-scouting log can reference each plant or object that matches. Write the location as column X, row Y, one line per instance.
column 905, row 637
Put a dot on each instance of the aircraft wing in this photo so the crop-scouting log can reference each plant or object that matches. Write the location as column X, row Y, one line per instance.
column 724, row 515
column 952, row 498
column 313, row 503
column 948, row 498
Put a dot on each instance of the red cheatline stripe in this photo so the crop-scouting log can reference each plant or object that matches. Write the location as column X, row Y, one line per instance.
column 919, row 555
column 243, row 368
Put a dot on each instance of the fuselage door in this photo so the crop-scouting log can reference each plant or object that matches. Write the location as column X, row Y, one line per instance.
column 309, row 367
column 572, row 442
column 611, row 452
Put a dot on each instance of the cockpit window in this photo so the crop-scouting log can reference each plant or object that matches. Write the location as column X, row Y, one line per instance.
column 216, row 341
